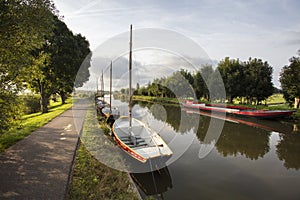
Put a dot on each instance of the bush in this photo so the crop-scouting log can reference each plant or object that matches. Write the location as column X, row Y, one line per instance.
column 11, row 108
column 31, row 103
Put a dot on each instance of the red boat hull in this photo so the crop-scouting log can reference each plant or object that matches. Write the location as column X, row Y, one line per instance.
column 238, row 110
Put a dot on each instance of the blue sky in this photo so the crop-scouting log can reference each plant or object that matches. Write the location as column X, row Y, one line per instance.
column 265, row 29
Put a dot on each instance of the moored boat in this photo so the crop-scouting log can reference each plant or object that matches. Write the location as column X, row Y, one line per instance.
column 269, row 125
column 135, row 137
column 238, row 110
column 139, row 141
column 108, row 111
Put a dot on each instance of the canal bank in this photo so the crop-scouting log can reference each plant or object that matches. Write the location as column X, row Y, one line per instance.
column 92, row 177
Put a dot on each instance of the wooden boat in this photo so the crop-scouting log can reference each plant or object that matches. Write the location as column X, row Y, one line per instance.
column 99, row 97
column 134, row 137
column 268, row 125
column 139, row 141
column 238, row 110
column 108, row 111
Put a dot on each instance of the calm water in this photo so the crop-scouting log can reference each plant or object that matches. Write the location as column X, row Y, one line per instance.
column 251, row 159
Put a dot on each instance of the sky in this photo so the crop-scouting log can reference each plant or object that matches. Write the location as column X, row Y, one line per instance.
column 266, row 29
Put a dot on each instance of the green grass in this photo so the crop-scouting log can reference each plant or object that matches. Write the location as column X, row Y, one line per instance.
column 276, row 99
column 30, row 123
column 163, row 100
column 92, row 179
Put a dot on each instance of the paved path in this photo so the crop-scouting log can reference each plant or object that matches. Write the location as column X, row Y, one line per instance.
column 38, row 166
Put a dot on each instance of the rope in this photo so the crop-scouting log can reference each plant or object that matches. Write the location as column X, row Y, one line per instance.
column 154, row 182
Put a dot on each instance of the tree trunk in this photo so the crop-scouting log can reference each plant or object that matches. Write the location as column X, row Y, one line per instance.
column 296, row 105
column 229, row 98
column 44, row 99
column 63, row 97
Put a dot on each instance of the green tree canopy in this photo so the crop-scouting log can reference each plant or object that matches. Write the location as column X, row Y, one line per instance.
column 23, row 27
column 290, row 79
column 63, row 56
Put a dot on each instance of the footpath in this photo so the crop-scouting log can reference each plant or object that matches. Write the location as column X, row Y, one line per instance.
column 38, row 166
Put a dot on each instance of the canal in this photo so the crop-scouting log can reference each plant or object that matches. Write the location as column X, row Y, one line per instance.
column 250, row 158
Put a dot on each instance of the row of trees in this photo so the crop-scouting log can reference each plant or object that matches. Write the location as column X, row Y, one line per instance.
column 39, row 53
column 251, row 79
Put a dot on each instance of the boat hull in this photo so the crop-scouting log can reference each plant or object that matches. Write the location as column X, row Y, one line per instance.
column 146, row 146
column 239, row 110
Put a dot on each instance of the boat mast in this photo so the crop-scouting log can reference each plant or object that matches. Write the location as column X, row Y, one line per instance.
column 130, row 77
column 97, row 85
column 102, row 86
column 110, row 86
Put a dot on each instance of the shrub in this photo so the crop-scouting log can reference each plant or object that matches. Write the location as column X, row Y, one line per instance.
column 31, row 103
column 11, row 108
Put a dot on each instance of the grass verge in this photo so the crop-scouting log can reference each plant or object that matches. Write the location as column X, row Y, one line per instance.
column 164, row 100
column 30, row 123
column 94, row 180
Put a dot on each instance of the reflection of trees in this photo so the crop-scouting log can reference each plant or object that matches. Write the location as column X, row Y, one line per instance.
column 288, row 150
column 235, row 139
column 248, row 141
column 179, row 120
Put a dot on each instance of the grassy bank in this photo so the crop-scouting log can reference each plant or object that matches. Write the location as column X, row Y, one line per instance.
column 30, row 123
column 164, row 100
column 92, row 179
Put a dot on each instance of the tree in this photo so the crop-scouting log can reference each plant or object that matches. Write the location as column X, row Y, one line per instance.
column 201, row 81
column 258, row 79
column 57, row 72
column 24, row 24
column 290, row 79
column 232, row 73
column 179, row 85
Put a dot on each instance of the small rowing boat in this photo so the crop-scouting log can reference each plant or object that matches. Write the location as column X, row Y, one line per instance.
column 139, row 141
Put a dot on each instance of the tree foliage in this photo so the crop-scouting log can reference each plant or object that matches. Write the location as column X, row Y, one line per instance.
column 24, row 25
column 251, row 79
column 290, row 79
column 37, row 51
column 58, row 63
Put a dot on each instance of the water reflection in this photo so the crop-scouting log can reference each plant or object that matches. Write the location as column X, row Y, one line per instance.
column 241, row 136
column 252, row 158
column 247, row 141
column 288, row 150
column 173, row 116
column 153, row 184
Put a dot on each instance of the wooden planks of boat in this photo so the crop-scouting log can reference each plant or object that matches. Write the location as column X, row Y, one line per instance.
column 139, row 141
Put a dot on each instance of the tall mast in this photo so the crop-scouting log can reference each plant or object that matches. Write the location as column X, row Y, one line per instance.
column 97, row 85
column 110, row 86
column 102, row 85
column 130, row 77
